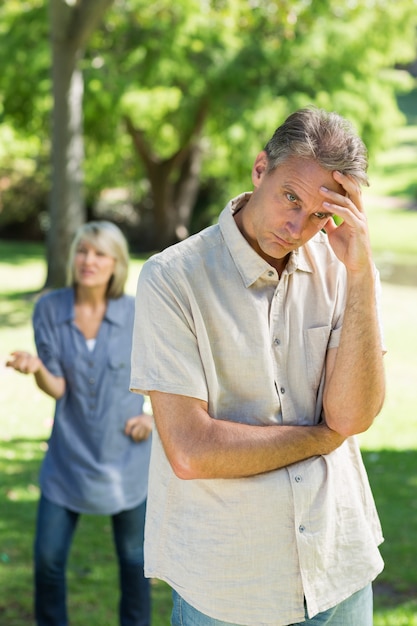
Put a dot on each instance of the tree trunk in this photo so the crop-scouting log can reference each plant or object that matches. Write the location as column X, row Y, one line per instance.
column 174, row 182
column 187, row 189
column 70, row 28
column 67, row 211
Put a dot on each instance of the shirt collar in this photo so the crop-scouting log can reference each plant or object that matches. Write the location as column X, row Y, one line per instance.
column 115, row 312
column 249, row 263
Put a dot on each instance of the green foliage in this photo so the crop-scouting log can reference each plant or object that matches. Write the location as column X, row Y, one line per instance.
column 253, row 63
column 248, row 62
column 24, row 183
column 25, row 101
column 25, row 87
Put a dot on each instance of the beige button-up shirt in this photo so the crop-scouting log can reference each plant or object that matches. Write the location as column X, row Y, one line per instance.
column 214, row 321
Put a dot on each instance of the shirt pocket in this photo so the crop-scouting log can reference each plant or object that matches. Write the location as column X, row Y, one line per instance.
column 119, row 369
column 316, row 341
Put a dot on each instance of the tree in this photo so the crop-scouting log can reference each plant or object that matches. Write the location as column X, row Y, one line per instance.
column 216, row 76
column 30, row 92
column 71, row 25
column 193, row 89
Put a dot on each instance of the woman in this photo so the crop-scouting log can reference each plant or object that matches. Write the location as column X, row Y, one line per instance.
column 98, row 453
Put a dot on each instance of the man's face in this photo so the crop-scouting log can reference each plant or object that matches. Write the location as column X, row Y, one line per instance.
column 286, row 208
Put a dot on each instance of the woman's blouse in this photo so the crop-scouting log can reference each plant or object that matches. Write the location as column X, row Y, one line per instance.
column 91, row 466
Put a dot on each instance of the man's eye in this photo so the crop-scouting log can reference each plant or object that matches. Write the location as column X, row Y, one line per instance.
column 291, row 197
column 320, row 215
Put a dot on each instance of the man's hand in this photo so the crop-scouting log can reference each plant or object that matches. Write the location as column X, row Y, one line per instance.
column 355, row 382
column 350, row 240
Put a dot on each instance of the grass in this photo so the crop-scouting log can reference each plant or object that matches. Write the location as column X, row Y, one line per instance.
column 389, row 447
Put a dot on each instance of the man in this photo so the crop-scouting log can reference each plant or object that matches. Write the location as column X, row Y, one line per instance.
column 259, row 344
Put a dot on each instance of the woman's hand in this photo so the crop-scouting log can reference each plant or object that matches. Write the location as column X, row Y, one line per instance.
column 27, row 363
column 139, row 427
column 24, row 362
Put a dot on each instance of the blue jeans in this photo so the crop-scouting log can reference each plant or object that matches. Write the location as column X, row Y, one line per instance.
column 355, row 611
column 54, row 532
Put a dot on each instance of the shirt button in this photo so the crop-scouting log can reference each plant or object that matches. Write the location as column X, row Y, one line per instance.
column 277, row 341
column 298, row 478
column 301, row 528
column 282, row 390
column 91, row 381
column 270, row 273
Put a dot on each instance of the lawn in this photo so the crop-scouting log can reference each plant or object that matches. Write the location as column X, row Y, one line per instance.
column 389, row 447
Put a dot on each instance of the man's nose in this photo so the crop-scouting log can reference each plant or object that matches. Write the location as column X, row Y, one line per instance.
column 296, row 225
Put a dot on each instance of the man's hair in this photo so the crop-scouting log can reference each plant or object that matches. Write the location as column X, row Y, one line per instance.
column 328, row 138
column 109, row 239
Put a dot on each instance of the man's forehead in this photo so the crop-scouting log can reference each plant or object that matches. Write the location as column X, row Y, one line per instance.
column 297, row 172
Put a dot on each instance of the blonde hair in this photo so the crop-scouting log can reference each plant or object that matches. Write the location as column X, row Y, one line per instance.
column 109, row 239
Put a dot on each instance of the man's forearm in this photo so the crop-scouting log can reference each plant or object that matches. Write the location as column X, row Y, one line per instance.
column 265, row 453
column 355, row 385
column 198, row 446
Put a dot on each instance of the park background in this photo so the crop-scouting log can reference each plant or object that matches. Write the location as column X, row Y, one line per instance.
column 204, row 84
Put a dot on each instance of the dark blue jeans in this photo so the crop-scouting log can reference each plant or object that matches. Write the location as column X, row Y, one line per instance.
column 54, row 532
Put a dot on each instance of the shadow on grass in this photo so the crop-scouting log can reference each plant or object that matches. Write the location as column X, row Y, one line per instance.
column 16, row 308
column 393, row 478
column 19, row 467
column 18, row 252
column 92, row 568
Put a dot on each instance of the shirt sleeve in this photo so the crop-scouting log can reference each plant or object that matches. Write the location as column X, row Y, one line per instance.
column 46, row 335
column 165, row 354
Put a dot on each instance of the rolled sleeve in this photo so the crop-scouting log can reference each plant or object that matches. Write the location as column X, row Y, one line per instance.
column 46, row 336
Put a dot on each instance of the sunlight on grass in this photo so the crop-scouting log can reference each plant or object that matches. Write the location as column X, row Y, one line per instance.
column 13, row 278
column 396, row 426
column 403, row 616
column 30, row 493
column 393, row 234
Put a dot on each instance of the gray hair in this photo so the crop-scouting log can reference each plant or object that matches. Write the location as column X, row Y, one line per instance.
column 109, row 239
column 328, row 138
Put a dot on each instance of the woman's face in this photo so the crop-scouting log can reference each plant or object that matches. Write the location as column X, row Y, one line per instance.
column 92, row 266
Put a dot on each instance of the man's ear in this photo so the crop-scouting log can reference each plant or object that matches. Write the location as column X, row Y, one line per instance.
column 259, row 168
